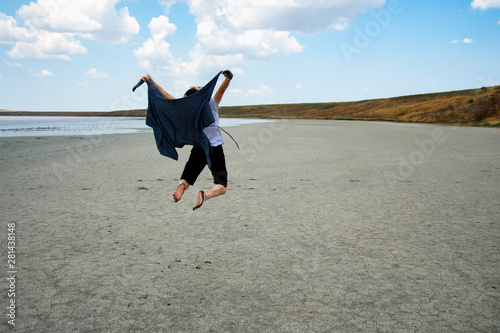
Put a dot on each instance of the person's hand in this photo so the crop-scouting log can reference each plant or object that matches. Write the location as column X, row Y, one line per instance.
column 147, row 76
column 227, row 73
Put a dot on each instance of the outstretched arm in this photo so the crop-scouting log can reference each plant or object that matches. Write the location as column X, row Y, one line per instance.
column 163, row 92
column 222, row 89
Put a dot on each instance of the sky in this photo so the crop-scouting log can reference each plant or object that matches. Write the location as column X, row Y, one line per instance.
column 86, row 55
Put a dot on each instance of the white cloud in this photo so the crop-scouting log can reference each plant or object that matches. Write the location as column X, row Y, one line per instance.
column 155, row 51
column 93, row 73
column 167, row 3
column 92, row 19
column 9, row 31
column 341, row 25
column 230, row 33
column 84, row 83
column 261, row 91
column 298, row 86
column 304, row 16
column 152, row 53
column 160, row 27
column 13, row 64
column 46, row 45
column 52, row 30
column 256, row 44
column 1, row 77
column 201, row 66
column 262, row 29
column 44, row 72
column 465, row 41
column 485, row 4
column 59, row 16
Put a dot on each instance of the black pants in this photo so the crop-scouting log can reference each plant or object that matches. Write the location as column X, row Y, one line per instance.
column 197, row 162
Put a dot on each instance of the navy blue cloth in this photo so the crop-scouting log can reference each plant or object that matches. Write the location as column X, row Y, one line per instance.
column 179, row 122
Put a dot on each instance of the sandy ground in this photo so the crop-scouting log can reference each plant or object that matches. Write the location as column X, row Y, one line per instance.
column 327, row 226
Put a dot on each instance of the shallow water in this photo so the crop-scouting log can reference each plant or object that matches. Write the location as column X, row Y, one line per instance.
column 59, row 126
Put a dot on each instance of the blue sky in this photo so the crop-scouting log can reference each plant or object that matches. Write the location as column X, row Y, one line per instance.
column 75, row 55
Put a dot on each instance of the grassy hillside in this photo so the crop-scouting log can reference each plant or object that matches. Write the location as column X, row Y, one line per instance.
column 470, row 107
column 475, row 106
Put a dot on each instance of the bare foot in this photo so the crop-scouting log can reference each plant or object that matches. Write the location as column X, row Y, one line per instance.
column 201, row 199
column 179, row 192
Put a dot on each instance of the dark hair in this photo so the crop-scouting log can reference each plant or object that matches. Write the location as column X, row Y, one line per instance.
column 191, row 91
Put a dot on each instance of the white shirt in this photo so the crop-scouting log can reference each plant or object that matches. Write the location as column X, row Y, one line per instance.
column 213, row 131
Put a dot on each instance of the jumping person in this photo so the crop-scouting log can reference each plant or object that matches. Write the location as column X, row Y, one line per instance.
column 197, row 160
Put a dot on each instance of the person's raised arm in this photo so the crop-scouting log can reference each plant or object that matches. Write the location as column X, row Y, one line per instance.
column 162, row 91
column 222, row 89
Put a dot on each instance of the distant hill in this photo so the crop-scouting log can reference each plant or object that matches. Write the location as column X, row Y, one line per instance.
column 475, row 106
column 469, row 107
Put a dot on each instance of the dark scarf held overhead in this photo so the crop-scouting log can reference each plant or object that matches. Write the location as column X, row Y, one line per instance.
column 179, row 122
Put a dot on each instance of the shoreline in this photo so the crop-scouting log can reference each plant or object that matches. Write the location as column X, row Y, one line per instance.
column 18, row 126
column 397, row 121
